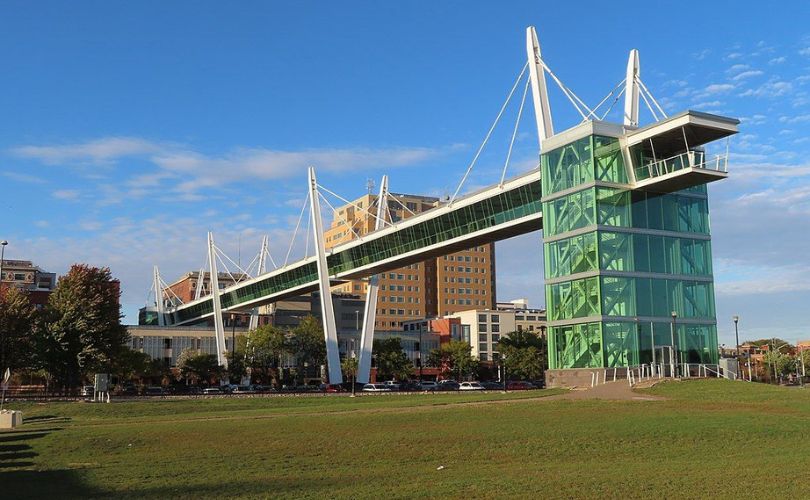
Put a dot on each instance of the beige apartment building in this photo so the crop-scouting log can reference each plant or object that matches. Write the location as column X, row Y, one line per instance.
column 434, row 287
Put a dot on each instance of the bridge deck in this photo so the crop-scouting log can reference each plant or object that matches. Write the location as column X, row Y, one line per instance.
column 488, row 215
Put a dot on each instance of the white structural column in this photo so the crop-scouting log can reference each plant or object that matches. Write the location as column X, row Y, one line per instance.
column 262, row 268
column 219, row 326
column 199, row 288
column 159, row 303
column 327, row 309
column 370, row 312
column 631, row 90
column 542, row 110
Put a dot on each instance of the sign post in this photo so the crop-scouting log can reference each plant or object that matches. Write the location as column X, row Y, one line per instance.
column 6, row 378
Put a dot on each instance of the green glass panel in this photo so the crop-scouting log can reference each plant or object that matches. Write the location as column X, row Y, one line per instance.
column 613, row 207
column 576, row 346
column 567, row 166
column 621, row 346
column 618, row 296
column 608, row 160
column 570, row 212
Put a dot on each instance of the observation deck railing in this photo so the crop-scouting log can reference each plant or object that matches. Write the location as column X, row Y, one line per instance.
column 689, row 159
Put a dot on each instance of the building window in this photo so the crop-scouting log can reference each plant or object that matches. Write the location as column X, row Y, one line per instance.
column 482, row 327
column 482, row 318
column 495, row 318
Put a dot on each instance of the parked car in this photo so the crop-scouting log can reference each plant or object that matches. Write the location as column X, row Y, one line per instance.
column 394, row 386
column 376, row 388
column 244, row 389
column 428, row 385
column 212, row 390
column 333, row 388
column 470, row 386
column 519, row 385
column 492, row 386
column 448, row 385
column 154, row 391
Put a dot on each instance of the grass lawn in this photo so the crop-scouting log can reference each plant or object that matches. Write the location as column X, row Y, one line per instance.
column 710, row 438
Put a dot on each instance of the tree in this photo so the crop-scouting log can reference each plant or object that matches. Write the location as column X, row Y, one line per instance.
column 129, row 363
column 307, row 342
column 81, row 329
column 195, row 366
column 16, row 326
column 524, row 355
column 454, row 359
column 265, row 348
column 349, row 367
column 391, row 360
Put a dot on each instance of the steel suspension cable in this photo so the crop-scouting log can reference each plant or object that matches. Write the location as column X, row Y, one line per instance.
column 514, row 131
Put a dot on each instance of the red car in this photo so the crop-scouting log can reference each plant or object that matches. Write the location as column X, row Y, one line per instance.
column 335, row 388
column 519, row 385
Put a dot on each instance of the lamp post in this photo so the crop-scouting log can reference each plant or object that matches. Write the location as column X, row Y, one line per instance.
column 737, row 334
column 2, row 257
column 420, row 355
column 672, row 357
column 233, row 337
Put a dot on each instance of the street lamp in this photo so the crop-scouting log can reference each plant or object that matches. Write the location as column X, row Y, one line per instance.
column 737, row 334
column 2, row 256
column 672, row 357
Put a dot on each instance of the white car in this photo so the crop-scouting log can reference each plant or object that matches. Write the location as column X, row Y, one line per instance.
column 429, row 385
column 376, row 388
column 470, row 386
column 212, row 390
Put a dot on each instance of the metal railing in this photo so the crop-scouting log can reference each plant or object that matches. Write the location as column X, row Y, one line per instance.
column 689, row 159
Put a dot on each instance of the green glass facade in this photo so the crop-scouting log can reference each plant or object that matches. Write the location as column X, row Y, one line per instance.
column 618, row 262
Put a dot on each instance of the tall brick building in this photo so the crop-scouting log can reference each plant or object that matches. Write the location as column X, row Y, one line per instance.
column 434, row 287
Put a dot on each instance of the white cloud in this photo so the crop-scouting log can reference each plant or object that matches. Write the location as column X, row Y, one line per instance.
column 795, row 119
column 776, row 88
column 738, row 68
column 714, row 89
column 778, row 60
column 66, row 194
column 747, row 74
column 805, row 51
column 201, row 171
column 98, row 152
column 28, row 179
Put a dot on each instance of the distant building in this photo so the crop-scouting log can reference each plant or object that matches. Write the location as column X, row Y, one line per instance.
column 434, row 287
column 486, row 326
column 23, row 274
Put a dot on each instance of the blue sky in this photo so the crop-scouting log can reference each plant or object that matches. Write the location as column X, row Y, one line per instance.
column 128, row 130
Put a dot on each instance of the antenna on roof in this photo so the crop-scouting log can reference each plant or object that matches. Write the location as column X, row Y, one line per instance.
column 369, row 185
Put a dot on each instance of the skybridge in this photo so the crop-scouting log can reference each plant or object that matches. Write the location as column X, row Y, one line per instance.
column 624, row 211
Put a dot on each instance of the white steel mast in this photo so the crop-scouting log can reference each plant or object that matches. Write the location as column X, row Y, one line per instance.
column 542, row 110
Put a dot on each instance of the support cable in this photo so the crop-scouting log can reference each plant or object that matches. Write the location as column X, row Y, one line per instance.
column 295, row 232
column 489, row 133
column 343, row 217
column 403, row 205
column 344, row 200
column 617, row 87
column 618, row 96
column 514, row 131
column 644, row 87
column 568, row 92
column 244, row 273
column 309, row 225
column 644, row 96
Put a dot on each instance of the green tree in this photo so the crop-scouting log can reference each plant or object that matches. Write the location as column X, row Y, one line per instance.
column 349, row 367
column 454, row 359
column 129, row 363
column 307, row 342
column 81, row 329
column 391, row 360
column 195, row 366
column 17, row 317
column 265, row 348
column 524, row 355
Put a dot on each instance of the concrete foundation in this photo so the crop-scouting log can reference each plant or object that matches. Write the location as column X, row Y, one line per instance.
column 583, row 377
column 10, row 419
